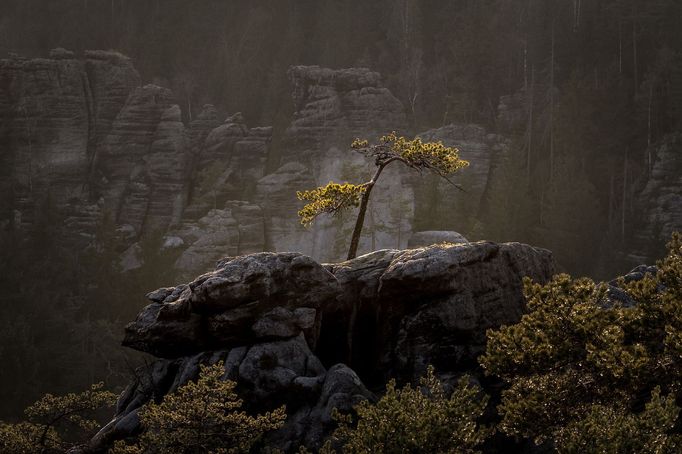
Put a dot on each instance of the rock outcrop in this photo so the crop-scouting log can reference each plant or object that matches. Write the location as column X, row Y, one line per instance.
column 660, row 202
column 54, row 112
column 291, row 331
column 246, row 299
column 85, row 138
column 406, row 309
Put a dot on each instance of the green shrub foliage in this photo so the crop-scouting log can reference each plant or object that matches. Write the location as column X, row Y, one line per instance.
column 581, row 366
column 54, row 423
column 202, row 417
column 411, row 420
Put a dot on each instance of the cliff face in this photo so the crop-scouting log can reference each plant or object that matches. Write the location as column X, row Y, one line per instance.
column 84, row 138
column 56, row 114
column 660, row 201
column 332, row 108
column 292, row 331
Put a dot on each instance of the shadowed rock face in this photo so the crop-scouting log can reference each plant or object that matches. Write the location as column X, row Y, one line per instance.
column 660, row 201
column 84, row 132
column 294, row 332
column 432, row 305
column 85, row 137
column 246, row 299
column 54, row 113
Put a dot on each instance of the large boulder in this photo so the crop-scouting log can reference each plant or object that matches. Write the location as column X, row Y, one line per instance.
column 464, row 290
column 291, row 331
column 403, row 310
column 248, row 298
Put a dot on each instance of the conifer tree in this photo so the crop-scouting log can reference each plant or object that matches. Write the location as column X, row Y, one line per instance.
column 416, row 154
column 205, row 416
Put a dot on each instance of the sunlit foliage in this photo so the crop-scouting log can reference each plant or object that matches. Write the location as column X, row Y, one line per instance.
column 54, row 422
column 202, row 417
column 582, row 356
column 421, row 419
column 609, row 429
column 329, row 199
column 416, row 154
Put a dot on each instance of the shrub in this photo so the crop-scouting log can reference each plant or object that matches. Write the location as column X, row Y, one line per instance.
column 584, row 362
column 202, row 417
column 55, row 423
column 411, row 420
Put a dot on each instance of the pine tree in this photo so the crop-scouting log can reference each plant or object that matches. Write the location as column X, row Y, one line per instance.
column 334, row 197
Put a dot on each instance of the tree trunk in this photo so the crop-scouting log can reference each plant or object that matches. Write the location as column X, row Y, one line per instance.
column 649, row 130
column 612, row 196
column 357, row 231
column 525, row 64
column 189, row 105
column 355, row 239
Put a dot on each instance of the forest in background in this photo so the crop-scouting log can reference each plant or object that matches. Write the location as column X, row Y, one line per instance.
column 599, row 83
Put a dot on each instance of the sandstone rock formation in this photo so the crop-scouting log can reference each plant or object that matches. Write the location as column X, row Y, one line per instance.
column 449, row 207
column 332, row 108
column 291, row 331
column 84, row 137
column 54, row 113
column 660, row 201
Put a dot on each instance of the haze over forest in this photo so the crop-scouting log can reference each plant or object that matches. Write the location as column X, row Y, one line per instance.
column 118, row 177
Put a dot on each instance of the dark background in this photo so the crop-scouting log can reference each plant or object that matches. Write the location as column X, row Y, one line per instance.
column 603, row 77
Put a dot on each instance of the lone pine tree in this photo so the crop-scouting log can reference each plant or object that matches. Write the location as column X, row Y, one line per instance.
column 334, row 197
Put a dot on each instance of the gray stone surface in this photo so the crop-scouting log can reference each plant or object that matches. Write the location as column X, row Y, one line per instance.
column 276, row 320
column 268, row 374
column 249, row 298
column 659, row 204
column 434, row 237
column 110, row 148
column 84, row 131
column 402, row 310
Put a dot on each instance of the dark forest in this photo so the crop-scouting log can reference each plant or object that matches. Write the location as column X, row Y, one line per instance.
column 144, row 141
